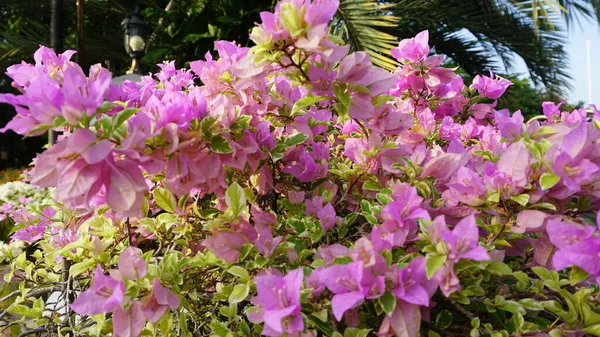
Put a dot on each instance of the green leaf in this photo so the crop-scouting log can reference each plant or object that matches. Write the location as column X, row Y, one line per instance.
column 531, row 304
column 304, row 102
column 433, row 263
column 165, row 199
column 219, row 329
column 384, row 199
column 543, row 205
column 548, row 180
column 521, row 276
column 296, row 139
column 555, row 333
column 377, row 101
column 240, row 272
column 38, row 129
column 239, row 293
column 81, row 267
column 354, row 332
column 59, row 121
column 235, row 198
column 499, row 268
column 388, row 302
column 544, row 131
column 371, row 186
column 542, row 272
column 220, row 145
column 577, row 275
column 552, row 284
column 121, row 117
column 323, row 326
column 518, row 321
column 494, row 197
column 593, row 329
column 443, row 319
column 475, row 322
column 512, row 306
column 521, row 199
column 22, row 310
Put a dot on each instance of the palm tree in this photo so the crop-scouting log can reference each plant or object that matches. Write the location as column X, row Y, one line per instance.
column 475, row 34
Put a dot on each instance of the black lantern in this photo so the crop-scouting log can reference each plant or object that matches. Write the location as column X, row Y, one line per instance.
column 137, row 34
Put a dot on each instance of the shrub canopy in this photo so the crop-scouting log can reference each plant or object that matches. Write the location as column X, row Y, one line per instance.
column 293, row 189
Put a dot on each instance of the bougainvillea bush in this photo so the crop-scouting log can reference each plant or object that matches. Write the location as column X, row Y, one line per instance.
column 294, row 189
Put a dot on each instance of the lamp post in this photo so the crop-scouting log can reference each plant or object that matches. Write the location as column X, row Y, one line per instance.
column 137, row 33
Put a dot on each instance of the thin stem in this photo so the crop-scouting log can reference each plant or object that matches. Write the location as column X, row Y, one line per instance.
column 32, row 332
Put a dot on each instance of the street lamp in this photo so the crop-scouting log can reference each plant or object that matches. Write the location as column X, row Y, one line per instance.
column 137, row 34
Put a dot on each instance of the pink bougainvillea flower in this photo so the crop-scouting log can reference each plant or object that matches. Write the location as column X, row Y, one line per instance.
column 491, row 87
column 577, row 245
column 104, row 295
column 225, row 245
column 410, row 283
column 463, row 241
column 156, row 304
column 327, row 216
column 132, row 265
column 278, row 301
column 129, row 322
column 30, row 234
column 345, row 281
column 414, row 49
column 400, row 216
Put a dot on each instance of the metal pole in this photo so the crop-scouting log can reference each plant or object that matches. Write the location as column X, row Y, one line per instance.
column 79, row 47
column 56, row 41
column 589, row 70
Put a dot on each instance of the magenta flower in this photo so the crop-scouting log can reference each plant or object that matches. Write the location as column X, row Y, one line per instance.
column 39, row 105
column 263, row 222
column 444, row 165
column 404, row 321
column 466, row 187
column 410, row 283
column 125, row 188
column 400, row 216
column 414, row 49
column 225, row 245
column 156, row 304
column 327, row 217
column 577, row 245
column 320, row 12
column 491, row 87
column 345, row 281
column 104, row 295
column 132, row 265
column 329, row 253
column 463, row 241
column 572, row 172
column 305, row 168
column 511, row 127
column 278, row 300
column 30, row 234
column 130, row 322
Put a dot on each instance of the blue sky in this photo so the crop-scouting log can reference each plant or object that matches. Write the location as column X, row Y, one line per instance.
column 576, row 49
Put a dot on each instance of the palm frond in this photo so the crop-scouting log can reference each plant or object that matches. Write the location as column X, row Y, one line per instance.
column 553, row 12
column 361, row 23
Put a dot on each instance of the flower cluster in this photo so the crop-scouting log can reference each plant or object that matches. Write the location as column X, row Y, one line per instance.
column 294, row 189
